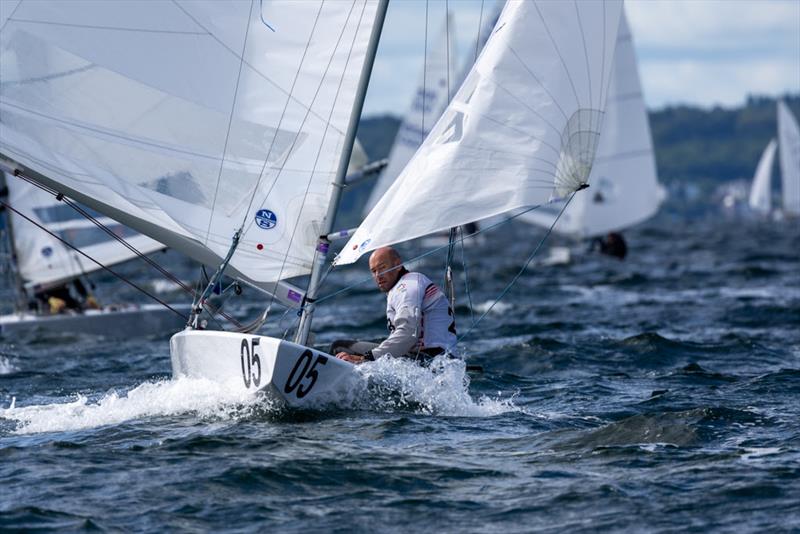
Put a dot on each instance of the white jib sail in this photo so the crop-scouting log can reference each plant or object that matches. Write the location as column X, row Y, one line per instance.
column 45, row 261
column 761, row 190
column 789, row 144
column 624, row 187
column 436, row 83
column 172, row 116
column 521, row 131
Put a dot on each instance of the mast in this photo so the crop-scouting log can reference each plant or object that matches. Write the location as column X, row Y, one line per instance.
column 321, row 253
column 20, row 295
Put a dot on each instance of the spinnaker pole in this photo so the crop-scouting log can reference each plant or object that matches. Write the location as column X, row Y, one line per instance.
column 321, row 253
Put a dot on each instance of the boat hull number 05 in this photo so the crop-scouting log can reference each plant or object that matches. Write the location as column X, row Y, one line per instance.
column 250, row 361
column 304, row 374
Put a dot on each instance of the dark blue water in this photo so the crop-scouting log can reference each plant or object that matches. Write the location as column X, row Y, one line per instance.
column 656, row 394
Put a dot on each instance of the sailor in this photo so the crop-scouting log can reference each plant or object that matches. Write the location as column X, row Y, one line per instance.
column 613, row 245
column 421, row 323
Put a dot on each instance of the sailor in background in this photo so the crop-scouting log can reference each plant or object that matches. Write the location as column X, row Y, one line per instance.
column 613, row 244
column 421, row 323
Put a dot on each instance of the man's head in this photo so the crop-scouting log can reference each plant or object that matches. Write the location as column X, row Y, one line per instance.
column 384, row 264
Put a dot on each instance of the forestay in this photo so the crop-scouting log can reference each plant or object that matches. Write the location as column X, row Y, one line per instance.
column 624, row 184
column 761, row 190
column 188, row 120
column 45, row 261
column 521, row 131
column 789, row 141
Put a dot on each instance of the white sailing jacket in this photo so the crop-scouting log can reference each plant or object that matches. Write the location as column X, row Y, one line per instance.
column 419, row 318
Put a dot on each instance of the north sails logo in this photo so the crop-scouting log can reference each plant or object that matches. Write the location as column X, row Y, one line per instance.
column 266, row 219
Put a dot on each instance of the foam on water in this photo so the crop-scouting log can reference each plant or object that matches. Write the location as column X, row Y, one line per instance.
column 6, row 367
column 441, row 389
column 204, row 398
column 499, row 307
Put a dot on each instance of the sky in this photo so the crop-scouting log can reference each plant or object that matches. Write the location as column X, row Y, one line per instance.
column 698, row 52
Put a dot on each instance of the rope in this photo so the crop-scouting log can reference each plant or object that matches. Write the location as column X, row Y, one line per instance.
column 522, row 270
column 466, row 281
column 79, row 251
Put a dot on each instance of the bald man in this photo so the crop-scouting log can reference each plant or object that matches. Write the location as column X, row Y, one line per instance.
column 421, row 323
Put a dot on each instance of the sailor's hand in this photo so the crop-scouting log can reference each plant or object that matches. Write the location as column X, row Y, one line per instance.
column 352, row 358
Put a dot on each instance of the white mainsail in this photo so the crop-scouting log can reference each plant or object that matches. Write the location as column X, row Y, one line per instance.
column 43, row 260
column 624, row 183
column 761, row 190
column 521, row 131
column 789, row 142
column 188, row 120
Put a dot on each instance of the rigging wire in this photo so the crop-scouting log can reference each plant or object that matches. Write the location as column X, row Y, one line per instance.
column 466, row 280
column 519, row 274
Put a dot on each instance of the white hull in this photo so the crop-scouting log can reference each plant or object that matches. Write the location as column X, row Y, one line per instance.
column 291, row 374
column 123, row 322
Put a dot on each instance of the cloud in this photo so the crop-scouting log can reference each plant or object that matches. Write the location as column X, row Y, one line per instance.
column 712, row 52
column 701, row 52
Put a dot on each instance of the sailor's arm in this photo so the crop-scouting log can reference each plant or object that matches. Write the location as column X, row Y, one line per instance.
column 401, row 340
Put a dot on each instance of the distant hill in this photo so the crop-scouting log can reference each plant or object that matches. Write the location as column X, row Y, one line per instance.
column 695, row 146
column 716, row 145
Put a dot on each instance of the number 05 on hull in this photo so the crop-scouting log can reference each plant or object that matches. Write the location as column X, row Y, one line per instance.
column 292, row 374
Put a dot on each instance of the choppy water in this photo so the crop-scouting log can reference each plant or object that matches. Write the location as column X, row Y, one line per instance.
column 656, row 394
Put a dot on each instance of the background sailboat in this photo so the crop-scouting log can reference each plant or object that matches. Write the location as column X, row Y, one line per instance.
column 436, row 81
column 40, row 262
column 788, row 147
column 789, row 151
column 761, row 191
column 624, row 182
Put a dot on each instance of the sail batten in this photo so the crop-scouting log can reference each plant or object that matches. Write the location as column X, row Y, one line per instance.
column 624, row 188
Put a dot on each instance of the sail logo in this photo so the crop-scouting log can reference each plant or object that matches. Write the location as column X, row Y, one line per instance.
column 47, row 251
column 266, row 219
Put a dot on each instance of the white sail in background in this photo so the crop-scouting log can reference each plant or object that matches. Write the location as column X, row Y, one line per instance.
column 437, row 82
column 43, row 260
column 358, row 158
column 789, row 148
column 624, row 184
column 186, row 120
column 521, row 131
column 761, row 190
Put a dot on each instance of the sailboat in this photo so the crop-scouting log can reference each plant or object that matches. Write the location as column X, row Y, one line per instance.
column 236, row 132
column 625, row 189
column 788, row 146
column 760, row 199
column 39, row 261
